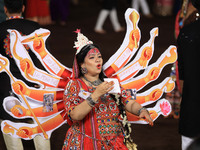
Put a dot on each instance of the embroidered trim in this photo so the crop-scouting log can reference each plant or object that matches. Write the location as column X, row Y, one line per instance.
column 6, row 45
column 85, row 135
column 15, row 17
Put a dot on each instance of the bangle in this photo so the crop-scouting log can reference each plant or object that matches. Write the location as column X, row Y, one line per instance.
column 90, row 101
column 139, row 111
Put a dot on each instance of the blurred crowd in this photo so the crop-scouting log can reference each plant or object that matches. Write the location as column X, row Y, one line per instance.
column 47, row 12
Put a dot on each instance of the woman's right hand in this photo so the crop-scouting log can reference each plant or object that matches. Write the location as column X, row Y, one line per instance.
column 102, row 89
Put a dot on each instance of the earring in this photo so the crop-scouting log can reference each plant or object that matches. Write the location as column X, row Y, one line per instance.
column 84, row 70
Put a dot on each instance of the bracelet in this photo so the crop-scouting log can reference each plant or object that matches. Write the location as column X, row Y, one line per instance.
column 139, row 111
column 90, row 101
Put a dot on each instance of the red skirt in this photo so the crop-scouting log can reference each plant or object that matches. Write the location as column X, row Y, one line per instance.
column 37, row 8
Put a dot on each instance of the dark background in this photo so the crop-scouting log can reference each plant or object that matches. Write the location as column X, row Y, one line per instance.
column 164, row 134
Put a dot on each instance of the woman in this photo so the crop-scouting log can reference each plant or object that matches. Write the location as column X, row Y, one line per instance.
column 92, row 111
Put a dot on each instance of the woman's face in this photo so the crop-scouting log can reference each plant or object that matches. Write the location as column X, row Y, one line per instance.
column 93, row 62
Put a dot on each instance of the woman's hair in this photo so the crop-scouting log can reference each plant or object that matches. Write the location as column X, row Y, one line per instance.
column 126, row 127
column 80, row 57
column 14, row 6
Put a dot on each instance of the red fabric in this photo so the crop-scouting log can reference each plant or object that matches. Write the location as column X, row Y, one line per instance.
column 177, row 26
column 75, row 70
column 177, row 77
column 90, row 126
column 89, row 144
column 87, row 134
column 37, row 8
column 118, row 143
column 177, row 30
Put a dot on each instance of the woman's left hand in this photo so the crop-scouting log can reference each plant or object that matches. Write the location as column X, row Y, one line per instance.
column 144, row 114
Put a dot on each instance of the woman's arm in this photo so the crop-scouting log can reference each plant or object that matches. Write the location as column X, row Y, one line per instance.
column 81, row 110
column 135, row 108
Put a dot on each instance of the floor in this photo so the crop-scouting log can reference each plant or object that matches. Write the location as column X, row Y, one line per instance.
column 164, row 134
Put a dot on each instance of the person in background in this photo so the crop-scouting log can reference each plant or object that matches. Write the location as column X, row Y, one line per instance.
column 75, row 2
column 144, row 7
column 13, row 10
column 185, row 16
column 188, row 63
column 38, row 11
column 59, row 11
column 108, row 8
column 163, row 7
column 2, row 13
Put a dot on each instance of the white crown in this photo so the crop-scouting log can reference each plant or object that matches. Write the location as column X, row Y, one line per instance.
column 81, row 41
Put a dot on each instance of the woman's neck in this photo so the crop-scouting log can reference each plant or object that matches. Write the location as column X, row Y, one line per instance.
column 91, row 78
column 92, row 81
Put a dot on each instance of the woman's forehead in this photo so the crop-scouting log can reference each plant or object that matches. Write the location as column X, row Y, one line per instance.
column 93, row 51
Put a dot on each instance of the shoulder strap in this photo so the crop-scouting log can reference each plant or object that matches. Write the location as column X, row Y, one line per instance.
column 82, row 84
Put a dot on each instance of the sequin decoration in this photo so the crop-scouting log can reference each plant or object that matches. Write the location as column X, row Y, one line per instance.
column 7, row 45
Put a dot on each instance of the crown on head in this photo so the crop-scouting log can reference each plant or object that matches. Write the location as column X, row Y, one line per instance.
column 81, row 41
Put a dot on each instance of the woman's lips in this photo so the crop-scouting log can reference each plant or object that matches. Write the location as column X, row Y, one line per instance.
column 99, row 66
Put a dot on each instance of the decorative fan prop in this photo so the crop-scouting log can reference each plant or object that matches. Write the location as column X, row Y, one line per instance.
column 45, row 105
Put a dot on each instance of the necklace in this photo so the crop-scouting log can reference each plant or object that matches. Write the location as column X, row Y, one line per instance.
column 95, row 83
column 15, row 17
